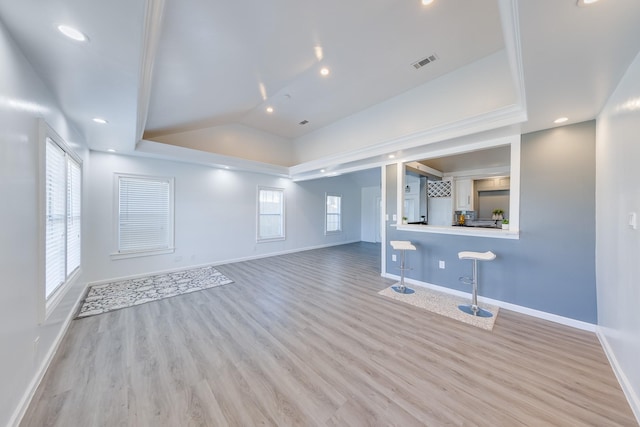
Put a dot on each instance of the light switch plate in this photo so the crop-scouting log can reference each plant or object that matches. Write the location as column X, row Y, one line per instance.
column 633, row 220
column 395, row 218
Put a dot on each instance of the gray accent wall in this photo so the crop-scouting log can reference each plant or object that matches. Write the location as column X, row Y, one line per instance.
column 551, row 267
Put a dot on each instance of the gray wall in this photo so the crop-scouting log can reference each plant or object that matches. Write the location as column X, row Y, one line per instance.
column 552, row 266
column 215, row 214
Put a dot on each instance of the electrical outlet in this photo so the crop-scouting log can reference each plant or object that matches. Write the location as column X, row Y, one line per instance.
column 441, row 264
column 393, row 257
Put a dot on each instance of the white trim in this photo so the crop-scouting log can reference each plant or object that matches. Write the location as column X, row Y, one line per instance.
column 46, row 304
column 625, row 384
column 383, row 218
column 25, row 401
column 222, row 262
column 567, row 321
column 511, row 30
column 400, row 175
column 117, row 254
column 152, row 27
column 326, row 214
column 283, row 236
column 174, row 153
column 501, row 117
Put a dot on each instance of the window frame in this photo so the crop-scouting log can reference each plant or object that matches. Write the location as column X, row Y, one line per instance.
column 49, row 300
column 282, row 215
column 133, row 253
column 328, row 232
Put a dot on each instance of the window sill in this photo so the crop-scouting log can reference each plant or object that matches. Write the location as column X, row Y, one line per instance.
column 136, row 254
column 52, row 302
column 274, row 239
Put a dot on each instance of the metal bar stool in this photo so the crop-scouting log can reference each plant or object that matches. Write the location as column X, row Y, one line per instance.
column 402, row 246
column 473, row 308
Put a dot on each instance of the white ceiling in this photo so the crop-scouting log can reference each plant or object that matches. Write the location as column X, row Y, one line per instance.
column 221, row 63
column 489, row 158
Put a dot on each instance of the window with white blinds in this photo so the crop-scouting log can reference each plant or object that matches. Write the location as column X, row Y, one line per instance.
column 145, row 214
column 63, row 185
column 333, row 219
column 270, row 214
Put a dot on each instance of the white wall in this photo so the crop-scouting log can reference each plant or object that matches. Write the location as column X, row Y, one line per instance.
column 235, row 140
column 618, row 245
column 24, row 98
column 215, row 214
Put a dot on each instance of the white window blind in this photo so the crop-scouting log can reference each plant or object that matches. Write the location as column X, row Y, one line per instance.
column 270, row 214
column 333, row 214
column 63, row 186
column 56, row 195
column 145, row 214
column 74, row 188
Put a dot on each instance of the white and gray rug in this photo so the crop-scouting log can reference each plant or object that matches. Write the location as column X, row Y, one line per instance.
column 444, row 305
column 126, row 293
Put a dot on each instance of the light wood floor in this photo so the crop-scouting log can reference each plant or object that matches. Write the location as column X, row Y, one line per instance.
column 304, row 339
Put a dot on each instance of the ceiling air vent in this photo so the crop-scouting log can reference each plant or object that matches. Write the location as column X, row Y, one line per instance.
column 425, row 61
column 304, row 122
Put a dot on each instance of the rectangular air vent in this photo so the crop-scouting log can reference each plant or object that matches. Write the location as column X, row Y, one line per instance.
column 425, row 61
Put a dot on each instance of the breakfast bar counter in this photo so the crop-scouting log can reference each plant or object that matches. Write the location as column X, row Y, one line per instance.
column 496, row 233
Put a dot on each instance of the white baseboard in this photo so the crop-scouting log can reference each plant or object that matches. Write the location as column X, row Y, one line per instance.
column 624, row 382
column 508, row 306
column 221, row 262
column 24, row 403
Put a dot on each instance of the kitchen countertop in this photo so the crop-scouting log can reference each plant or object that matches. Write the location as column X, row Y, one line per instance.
column 495, row 233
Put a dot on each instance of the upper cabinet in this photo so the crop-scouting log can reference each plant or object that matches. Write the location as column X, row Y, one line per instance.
column 464, row 194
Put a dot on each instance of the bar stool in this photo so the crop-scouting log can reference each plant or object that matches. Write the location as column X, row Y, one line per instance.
column 473, row 308
column 402, row 246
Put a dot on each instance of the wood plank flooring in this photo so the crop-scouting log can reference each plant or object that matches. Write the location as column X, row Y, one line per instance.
column 304, row 339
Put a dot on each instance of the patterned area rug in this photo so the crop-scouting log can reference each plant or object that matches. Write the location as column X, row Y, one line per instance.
column 127, row 293
column 444, row 305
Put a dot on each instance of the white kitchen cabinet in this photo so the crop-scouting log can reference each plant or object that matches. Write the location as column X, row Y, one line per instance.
column 464, row 194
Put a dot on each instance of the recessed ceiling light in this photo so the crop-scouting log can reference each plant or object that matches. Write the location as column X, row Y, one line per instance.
column 111, row 150
column 324, row 71
column 73, row 33
column 322, row 171
column 392, row 156
column 582, row 3
column 100, row 120
column 427, row 2
column 560, row 120
column 269, row 109
column 226, row 167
